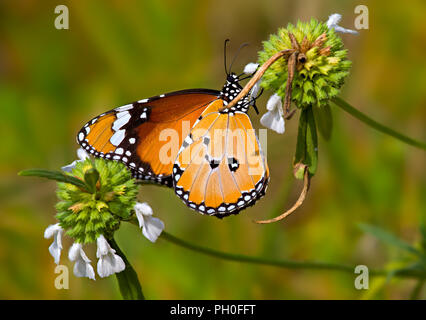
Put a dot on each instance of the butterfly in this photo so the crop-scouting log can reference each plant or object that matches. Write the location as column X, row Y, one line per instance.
column 190, row 141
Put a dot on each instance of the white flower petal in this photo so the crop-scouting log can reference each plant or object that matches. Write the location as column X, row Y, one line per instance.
column 82, row 155
column 332, row 23
column 344, row 30
column 68, row 168
column 103, row 246
column 274, row 121
column 152, row 228
column 82, row 266
column 255, row 90
column 274, row 102
column 251, row 68
column 333, row 19
column 83, row 269
column 55, row 248
column 109, row 262
column 51, row 230
column 143, row 208
column 74, row 251
column 140, row 218
column 83, row 256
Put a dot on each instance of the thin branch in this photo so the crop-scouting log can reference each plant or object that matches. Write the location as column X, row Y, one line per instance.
column 380, row 127
column 299, row 202
column 286, row 264
column 289, row 85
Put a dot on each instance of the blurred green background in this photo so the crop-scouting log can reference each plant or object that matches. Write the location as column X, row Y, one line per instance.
column 52, row 81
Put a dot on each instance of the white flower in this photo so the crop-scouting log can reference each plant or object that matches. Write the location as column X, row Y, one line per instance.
column 151, row 227
column 82, row 267
column 251, row 68
column 254, row 92
column 109, row 262
column 55, row 231
column 82, row 155
column 273, row 119
column 332, row 22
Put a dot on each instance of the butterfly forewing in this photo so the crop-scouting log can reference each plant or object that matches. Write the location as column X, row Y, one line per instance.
column 146, row 134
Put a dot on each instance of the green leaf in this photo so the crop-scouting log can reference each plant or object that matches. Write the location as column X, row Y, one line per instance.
column 311, row 143
column 324, row 120
column 53, row 175
column 91, row 177
column 300, row 154
column 307, row 143
column 388, row 238
column 128, row 281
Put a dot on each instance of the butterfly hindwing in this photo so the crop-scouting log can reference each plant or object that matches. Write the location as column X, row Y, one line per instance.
column 220, row 169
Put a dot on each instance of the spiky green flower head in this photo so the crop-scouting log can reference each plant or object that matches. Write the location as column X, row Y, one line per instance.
column 321, row 72
column 109, row 197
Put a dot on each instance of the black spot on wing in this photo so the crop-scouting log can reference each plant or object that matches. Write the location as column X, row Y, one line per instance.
column 233, row 164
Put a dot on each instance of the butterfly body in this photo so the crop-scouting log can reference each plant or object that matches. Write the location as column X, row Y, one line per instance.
column 190, row 141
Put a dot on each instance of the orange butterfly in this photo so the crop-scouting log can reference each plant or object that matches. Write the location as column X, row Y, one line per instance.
column 190, row 141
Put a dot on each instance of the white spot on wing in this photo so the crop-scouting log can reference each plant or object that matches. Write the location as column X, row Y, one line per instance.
column 117, row 137
column 124, row 108
column 122, row 119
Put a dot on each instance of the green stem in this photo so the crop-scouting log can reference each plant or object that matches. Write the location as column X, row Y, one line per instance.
column 128, row 281
column 286, row 264
column 372, row 123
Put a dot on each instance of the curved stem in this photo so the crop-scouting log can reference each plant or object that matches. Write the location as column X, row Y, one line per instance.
column 372, row 123
column 298, row 203
column 286, row 264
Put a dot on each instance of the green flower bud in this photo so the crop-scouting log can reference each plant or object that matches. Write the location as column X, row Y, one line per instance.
column 109, row 197
column 321, row 67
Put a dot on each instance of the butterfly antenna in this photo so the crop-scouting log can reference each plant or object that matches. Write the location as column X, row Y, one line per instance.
column 224, row 55
column 236, row 55
column 252, row 102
